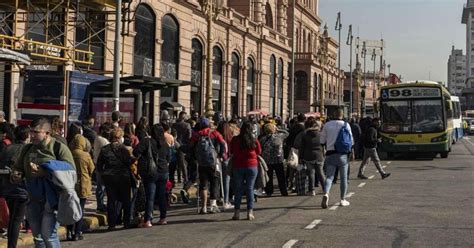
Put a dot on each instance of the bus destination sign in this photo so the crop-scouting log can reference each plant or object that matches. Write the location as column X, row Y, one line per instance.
column 400, row 93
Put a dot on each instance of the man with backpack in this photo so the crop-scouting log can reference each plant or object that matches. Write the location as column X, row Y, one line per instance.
column 337, row 136
column 208, row 146
column 370, row 150
column 41, row 214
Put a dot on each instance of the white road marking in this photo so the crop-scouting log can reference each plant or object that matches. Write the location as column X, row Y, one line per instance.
column 472, row 144
column 361, row 185
column 313, row 224
column 334, row 207
column 350, row 194
column 389, row 162
column 290, row 243
column 372, row 177
column 384, row 166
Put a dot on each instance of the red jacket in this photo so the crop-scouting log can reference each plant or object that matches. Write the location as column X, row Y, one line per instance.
column 244, row 158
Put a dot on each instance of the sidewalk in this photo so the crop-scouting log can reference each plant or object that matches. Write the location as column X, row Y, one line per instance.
column 92, row 221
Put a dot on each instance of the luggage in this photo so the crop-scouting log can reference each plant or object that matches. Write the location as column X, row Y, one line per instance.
column 301, row 180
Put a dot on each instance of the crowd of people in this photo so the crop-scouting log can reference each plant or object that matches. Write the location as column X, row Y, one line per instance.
column 136, row 166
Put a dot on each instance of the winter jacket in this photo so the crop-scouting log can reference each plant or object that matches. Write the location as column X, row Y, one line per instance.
column 244, row 158
column 272, row 147
column 84, row 166
column 114, row 160
column 160, row 150
column 184, row 131
column 7, row 160
column 370, row 137
column 309, row 146
column 39, row 154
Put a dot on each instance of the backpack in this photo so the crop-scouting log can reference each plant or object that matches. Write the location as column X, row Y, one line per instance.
column 206, row 154
column 344, row 141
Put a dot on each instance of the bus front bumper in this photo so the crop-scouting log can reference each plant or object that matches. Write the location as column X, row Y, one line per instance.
column 413, row 147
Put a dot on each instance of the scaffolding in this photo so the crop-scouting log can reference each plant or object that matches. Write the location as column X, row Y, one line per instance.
column 61, row 32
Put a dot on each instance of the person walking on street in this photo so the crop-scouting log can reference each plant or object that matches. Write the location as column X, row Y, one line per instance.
column 225, row 129
column 334, row 157
column 41, row 214
column 142, row 130
column 310, row 150
column 84, row 167
column 272, row 153
column 245, row 148
column 154, row 181
column 371, row 140
column 356, row 133
column 209, row 146
column 16, row 195
column 295, row 129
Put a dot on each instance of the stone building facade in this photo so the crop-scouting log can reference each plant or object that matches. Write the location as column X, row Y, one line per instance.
column 251, row 52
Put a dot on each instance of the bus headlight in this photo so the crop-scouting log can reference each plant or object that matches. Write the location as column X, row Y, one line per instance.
column 443, row 137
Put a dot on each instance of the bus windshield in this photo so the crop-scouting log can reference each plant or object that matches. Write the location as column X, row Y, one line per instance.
column 414, row 116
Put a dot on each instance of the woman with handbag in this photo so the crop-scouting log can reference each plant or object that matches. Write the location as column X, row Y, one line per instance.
column 154, row 157
column 245, row 149
column 113, row 165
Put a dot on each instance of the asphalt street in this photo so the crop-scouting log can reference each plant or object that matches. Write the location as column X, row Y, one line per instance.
column 424, row 203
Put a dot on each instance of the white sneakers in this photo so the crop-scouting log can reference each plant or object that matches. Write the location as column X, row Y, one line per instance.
column 228, row 205
column 345, row 203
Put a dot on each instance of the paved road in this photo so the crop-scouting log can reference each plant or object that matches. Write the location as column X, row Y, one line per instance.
column 425, row 203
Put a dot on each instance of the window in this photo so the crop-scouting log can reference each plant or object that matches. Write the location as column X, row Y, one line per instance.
column 250, row 84
column 272, row 84
column 268, row 16
column 428, row 116
column 144, row 42
column 169, row 56
column 396, row 116
column 96, row 42
column 234, row 91
column 196, row 75
column 36, row 27
column 217, row 79
column 280, row 88
column 301, row 85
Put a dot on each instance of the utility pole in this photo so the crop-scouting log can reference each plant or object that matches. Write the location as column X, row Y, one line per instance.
column 374, row 88
column 339, row 28
column 349, row 42
column 116, row 84
column 363, row 54
column 292, row 76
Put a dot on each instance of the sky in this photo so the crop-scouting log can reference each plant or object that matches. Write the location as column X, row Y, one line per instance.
column 418, row 34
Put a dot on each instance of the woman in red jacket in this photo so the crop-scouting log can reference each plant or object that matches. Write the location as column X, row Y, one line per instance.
column 245, row 149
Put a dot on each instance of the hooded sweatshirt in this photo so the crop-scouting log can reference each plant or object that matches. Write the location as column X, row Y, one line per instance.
column 84, row 166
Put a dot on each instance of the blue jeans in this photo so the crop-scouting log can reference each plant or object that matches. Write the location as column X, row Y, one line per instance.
column 156, row 186
column 42, row 219
column 333, row 162
column 100, row 191
column 248, row 175
column 226, row 180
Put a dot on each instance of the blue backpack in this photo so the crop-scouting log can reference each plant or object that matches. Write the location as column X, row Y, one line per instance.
column 206, row 154
column 344, row 140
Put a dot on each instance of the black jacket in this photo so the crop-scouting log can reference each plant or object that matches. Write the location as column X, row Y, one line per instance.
column 370, row 137
column 114, row 160
column 7, row 159
column 310, row 147
column 161, row 153
column 183, row 131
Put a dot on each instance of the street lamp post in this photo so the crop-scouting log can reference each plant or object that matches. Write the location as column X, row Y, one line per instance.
column 374, row 58
column 323, row 58
column 211, row 9
column 349, row 42
column 339, row 28
column 116, row 78
column 363, row 54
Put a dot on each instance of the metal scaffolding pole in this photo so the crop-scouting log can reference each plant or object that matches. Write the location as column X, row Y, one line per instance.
column 292, row 102
column 116, row 84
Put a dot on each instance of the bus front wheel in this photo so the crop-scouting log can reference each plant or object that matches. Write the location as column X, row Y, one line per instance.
column 444, row 154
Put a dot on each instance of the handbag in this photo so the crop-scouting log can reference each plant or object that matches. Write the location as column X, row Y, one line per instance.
column 292, row 160
column 151, row 169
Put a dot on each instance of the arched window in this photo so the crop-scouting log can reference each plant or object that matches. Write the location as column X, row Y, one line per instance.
column 235, row 78
column 217, row 79
column 280, row 88
column 268, row 16
column 196, row 75
column 316, row 90
column 301, row 85
column 272, row 84
column 304, row 41
column 250, row 84
column 144, row 43
column 169, row 56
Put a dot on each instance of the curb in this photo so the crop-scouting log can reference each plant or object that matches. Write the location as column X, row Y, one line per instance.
column 92, row 221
